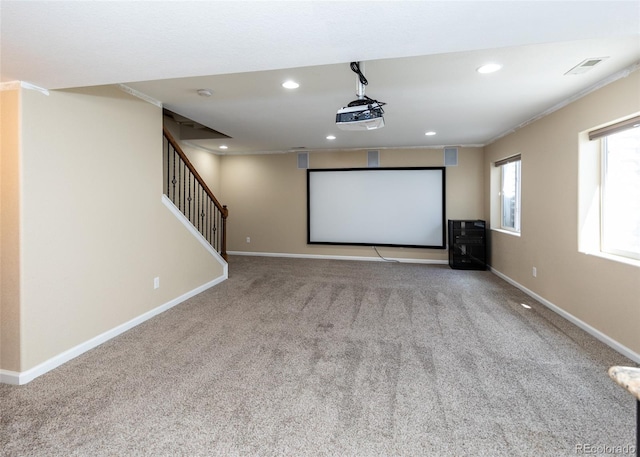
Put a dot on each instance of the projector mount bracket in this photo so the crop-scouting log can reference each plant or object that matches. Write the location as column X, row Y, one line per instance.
column 361, row 82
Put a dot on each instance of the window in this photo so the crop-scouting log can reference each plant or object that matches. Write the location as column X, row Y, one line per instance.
column 620, row 198
column 510, row 173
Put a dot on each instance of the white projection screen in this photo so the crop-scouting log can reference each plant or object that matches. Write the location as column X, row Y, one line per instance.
column 377, row 207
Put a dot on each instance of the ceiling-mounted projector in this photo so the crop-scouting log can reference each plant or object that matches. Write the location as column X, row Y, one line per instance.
column 360, row 117
column 364, row 113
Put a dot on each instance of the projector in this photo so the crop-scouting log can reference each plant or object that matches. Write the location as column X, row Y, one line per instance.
column 361, row 116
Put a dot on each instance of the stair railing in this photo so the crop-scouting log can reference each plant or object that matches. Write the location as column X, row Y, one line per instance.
column 191, row 195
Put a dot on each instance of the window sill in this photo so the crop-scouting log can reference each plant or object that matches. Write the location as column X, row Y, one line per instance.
column 506, row 232
column 614, row 258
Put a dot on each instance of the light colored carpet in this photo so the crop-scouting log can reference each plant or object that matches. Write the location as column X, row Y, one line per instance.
column 295, row 357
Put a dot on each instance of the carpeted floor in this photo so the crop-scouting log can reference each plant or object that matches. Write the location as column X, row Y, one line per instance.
column 296, row 357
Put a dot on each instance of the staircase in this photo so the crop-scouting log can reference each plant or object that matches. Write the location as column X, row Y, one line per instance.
column 190, row 194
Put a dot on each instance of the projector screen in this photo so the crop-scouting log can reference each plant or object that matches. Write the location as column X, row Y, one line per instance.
column 377, row 207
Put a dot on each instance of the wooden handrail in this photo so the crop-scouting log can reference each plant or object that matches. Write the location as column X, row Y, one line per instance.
column 222, row 208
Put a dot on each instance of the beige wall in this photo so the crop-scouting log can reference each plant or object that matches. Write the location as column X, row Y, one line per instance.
column 602, row 293
column 9, row 230
column 94, row 231
column 267, row 199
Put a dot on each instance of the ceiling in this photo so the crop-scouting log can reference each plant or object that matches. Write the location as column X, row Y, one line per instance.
column 420, row 57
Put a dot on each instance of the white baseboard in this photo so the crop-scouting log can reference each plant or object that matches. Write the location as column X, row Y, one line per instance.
column 337, row 257
column 9, row 377
column 15, row 378
column 622, row 349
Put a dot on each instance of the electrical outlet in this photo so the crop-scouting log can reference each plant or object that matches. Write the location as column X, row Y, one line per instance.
column 534, row 272
column 156, row 282
column 248, row 239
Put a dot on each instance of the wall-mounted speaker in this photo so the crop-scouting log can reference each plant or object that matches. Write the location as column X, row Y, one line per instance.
column 303, row 160
column 373, row 159
column 450, row 157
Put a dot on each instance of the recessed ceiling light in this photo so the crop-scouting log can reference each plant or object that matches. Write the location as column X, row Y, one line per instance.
column 224, row 146
column 205, row 92
column 290, row 85
column 489, row 68
column 331, row 137
column 430, row 133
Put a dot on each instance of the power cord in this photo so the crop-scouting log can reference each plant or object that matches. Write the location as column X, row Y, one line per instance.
column 373, row 104
column 355, row 67
column 384, row 258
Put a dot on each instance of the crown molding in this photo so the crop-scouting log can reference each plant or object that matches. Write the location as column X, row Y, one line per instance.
column 140, row 95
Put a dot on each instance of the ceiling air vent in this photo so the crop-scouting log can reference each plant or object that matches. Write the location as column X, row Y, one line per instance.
column 585, row 65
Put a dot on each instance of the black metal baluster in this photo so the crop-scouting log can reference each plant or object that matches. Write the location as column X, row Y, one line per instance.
column 190, row 199
column 215, row 227
column 173, row 181
column 184, row 188
column 187, row 191
column 180, row 185
column 209, row 220
column 192, row 212
column 185, row 198
column 199, row 209
column 195, row 204
column 215, row 230
column 203, row 215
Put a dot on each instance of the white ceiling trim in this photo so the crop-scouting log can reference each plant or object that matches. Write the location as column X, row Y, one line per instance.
column 140, row 95
column 13, row 85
